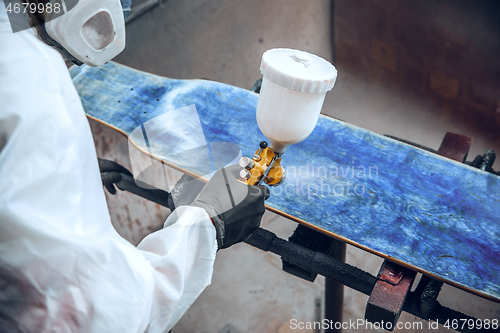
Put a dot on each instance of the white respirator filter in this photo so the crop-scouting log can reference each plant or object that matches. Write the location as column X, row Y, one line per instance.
column 93, row 31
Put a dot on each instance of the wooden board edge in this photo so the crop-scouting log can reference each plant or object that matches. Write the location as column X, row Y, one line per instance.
column 309, row 225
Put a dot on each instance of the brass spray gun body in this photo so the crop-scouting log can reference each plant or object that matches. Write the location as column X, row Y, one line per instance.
column 265, row 166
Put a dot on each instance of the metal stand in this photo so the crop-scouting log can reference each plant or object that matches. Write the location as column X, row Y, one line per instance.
column 334, row 291
column 309, row 253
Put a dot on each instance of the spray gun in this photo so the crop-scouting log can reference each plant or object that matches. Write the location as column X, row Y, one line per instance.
column 292, row 94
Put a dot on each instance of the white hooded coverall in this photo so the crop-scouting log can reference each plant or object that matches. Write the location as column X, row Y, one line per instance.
column 63, row 267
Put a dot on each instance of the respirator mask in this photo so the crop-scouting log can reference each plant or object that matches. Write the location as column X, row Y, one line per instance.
column 83, row 31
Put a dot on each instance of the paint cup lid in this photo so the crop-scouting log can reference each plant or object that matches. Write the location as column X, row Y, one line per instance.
column 298, row 70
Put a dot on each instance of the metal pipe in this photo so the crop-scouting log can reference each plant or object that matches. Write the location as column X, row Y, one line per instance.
column 145, row 191
column 315, row 262
column 334, row 291
column 141, row 9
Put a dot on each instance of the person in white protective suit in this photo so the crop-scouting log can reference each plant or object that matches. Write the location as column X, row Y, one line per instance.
column 63, row 267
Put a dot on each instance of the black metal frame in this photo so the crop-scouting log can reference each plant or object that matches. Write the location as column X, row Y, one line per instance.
column 422, row 302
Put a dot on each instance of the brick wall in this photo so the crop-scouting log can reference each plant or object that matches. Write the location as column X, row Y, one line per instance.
column 447, row 49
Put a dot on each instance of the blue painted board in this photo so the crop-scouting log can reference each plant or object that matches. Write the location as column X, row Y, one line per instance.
column 416, row 208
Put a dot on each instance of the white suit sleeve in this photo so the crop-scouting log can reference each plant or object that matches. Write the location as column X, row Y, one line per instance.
column 63, row 267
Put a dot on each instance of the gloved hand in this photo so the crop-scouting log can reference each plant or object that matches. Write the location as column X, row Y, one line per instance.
column 235, row 208
column 110, row 174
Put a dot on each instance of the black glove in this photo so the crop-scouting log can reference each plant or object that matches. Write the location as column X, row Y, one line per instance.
column 110, row 173
column 235, row 208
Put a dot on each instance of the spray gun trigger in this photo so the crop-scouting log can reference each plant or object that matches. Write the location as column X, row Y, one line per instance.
column 270, row 166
